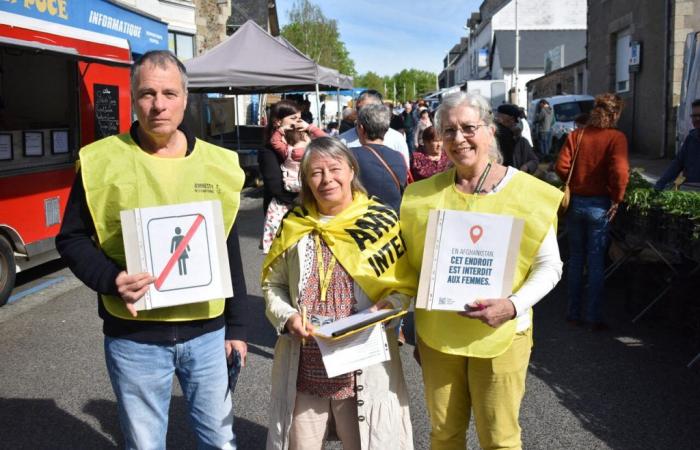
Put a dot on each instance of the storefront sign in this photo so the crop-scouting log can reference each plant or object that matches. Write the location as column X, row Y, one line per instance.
column 143, row 33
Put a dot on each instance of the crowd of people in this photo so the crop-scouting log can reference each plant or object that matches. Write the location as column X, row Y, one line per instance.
column 399, row 163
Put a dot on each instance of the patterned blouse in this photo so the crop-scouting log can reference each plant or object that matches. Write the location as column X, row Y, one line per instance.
column 424, row 167
column 340, row 302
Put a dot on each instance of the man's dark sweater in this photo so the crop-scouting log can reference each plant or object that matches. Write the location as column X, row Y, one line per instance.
column 76, row 246
column 516, row 150
column 374, row 176
column 687, row 160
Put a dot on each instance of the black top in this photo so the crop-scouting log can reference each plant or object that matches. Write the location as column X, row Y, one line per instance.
column 77, row 248
column 516, row 150
column 273, row 185
column 374, row 176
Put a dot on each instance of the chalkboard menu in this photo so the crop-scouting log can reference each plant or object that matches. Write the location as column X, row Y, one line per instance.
column 106, row 110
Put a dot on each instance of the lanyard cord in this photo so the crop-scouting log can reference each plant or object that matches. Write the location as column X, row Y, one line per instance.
column 482, row 178
column 324, row 275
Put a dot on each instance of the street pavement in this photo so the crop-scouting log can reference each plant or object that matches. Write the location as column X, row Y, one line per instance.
column 627, row 388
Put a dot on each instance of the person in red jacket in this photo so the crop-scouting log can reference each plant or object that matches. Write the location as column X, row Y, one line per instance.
column 598, row 182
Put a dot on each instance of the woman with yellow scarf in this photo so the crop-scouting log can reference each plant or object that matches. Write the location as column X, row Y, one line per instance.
column 336, row 254
column 476, row 360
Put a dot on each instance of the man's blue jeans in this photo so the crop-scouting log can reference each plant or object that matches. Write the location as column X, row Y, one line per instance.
column 587, row 228
column 142, row 379
column 545, row 142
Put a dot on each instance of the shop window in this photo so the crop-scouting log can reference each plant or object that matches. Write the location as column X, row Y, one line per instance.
column 181, row 44
column 622, row 71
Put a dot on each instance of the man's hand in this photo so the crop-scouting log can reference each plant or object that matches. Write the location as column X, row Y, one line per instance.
column 132, row 287
column 240, row 346
column 494, row 312
column 294, row 327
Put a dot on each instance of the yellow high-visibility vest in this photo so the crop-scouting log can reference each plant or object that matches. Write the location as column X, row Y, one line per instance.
column 524, row 197
column 117, row 175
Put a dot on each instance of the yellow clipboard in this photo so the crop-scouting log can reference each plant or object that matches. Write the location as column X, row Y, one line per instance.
column 360, row 326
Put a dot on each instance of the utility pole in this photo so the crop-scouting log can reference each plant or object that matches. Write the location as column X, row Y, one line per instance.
column 415, row 94
column 516, row 70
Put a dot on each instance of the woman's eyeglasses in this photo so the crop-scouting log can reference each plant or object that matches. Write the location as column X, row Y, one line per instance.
column 450, row 133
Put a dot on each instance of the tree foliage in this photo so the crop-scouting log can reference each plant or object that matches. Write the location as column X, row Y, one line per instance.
column 317, row 36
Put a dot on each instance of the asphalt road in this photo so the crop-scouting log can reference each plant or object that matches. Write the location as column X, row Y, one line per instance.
column 628, row 388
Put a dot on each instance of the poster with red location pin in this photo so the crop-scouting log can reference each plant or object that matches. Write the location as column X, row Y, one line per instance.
column 467, row 256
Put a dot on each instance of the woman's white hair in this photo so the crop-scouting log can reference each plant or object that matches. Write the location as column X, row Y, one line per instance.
column 477, row 103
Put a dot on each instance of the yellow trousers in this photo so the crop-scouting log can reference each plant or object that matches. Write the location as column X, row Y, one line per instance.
column 491, row 387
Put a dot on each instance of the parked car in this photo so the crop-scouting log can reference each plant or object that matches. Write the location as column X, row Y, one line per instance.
column 566, row 108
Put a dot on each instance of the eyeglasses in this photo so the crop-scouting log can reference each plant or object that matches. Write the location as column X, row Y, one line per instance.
column 466, row 130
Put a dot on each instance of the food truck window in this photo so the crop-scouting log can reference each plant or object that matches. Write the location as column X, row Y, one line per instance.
column 38, row 95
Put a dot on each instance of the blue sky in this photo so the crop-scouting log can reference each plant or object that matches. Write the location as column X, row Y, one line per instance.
column 386, row 36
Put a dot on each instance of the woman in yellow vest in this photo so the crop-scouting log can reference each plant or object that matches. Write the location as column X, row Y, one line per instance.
column 336, row 254
column 476, row 360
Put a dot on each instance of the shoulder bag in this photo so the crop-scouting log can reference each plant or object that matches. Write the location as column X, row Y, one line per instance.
column 386, row 166
column 567, row 192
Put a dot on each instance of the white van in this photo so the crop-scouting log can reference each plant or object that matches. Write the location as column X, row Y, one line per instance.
column 566, row 108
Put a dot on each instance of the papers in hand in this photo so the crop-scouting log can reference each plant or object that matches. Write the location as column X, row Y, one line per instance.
column 353, row 352
column 356, row 322
column 467, row 256
column 184, row 247
column 355, row 342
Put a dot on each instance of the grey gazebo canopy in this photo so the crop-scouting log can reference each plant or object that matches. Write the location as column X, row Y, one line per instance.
column 253, row 61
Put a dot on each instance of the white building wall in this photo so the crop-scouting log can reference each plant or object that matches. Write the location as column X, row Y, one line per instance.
column 532, row 15
column 524, row 76
column 542, row 15
column 178, row 14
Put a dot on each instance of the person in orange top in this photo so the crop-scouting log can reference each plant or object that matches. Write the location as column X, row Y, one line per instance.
column 598, row 182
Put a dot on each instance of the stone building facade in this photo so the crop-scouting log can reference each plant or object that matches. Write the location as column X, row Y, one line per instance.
column 570, row 79
column 211, row 23
column 652, row 88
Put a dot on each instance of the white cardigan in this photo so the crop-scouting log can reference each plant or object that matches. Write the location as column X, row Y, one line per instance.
column 382, row 399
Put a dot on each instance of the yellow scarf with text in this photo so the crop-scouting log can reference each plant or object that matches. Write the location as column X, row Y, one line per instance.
column 365, row 239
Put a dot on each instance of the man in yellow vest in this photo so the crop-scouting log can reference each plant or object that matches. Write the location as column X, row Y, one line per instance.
column 158, row 163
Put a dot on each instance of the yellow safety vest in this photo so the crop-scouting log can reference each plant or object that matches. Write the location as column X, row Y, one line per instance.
column 524, row 197
column 117, row 175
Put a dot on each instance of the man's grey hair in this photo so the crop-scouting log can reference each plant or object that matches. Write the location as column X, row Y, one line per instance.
column 370, row 96
column 161, row 59
column 375, row 120
column 347, row 112
column 477, row 103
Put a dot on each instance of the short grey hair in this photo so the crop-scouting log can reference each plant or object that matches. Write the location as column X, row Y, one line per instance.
column 370, row 96
column 331, row 148
column 477, row 103
column 375, row 120
column 161, row 59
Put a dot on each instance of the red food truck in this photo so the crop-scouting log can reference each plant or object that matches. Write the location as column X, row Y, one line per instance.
column 61, row 87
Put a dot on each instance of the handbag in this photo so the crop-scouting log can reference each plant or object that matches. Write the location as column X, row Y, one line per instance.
column 564, row 205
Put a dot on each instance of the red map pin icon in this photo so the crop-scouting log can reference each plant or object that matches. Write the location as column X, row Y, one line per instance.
column 475, row 233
